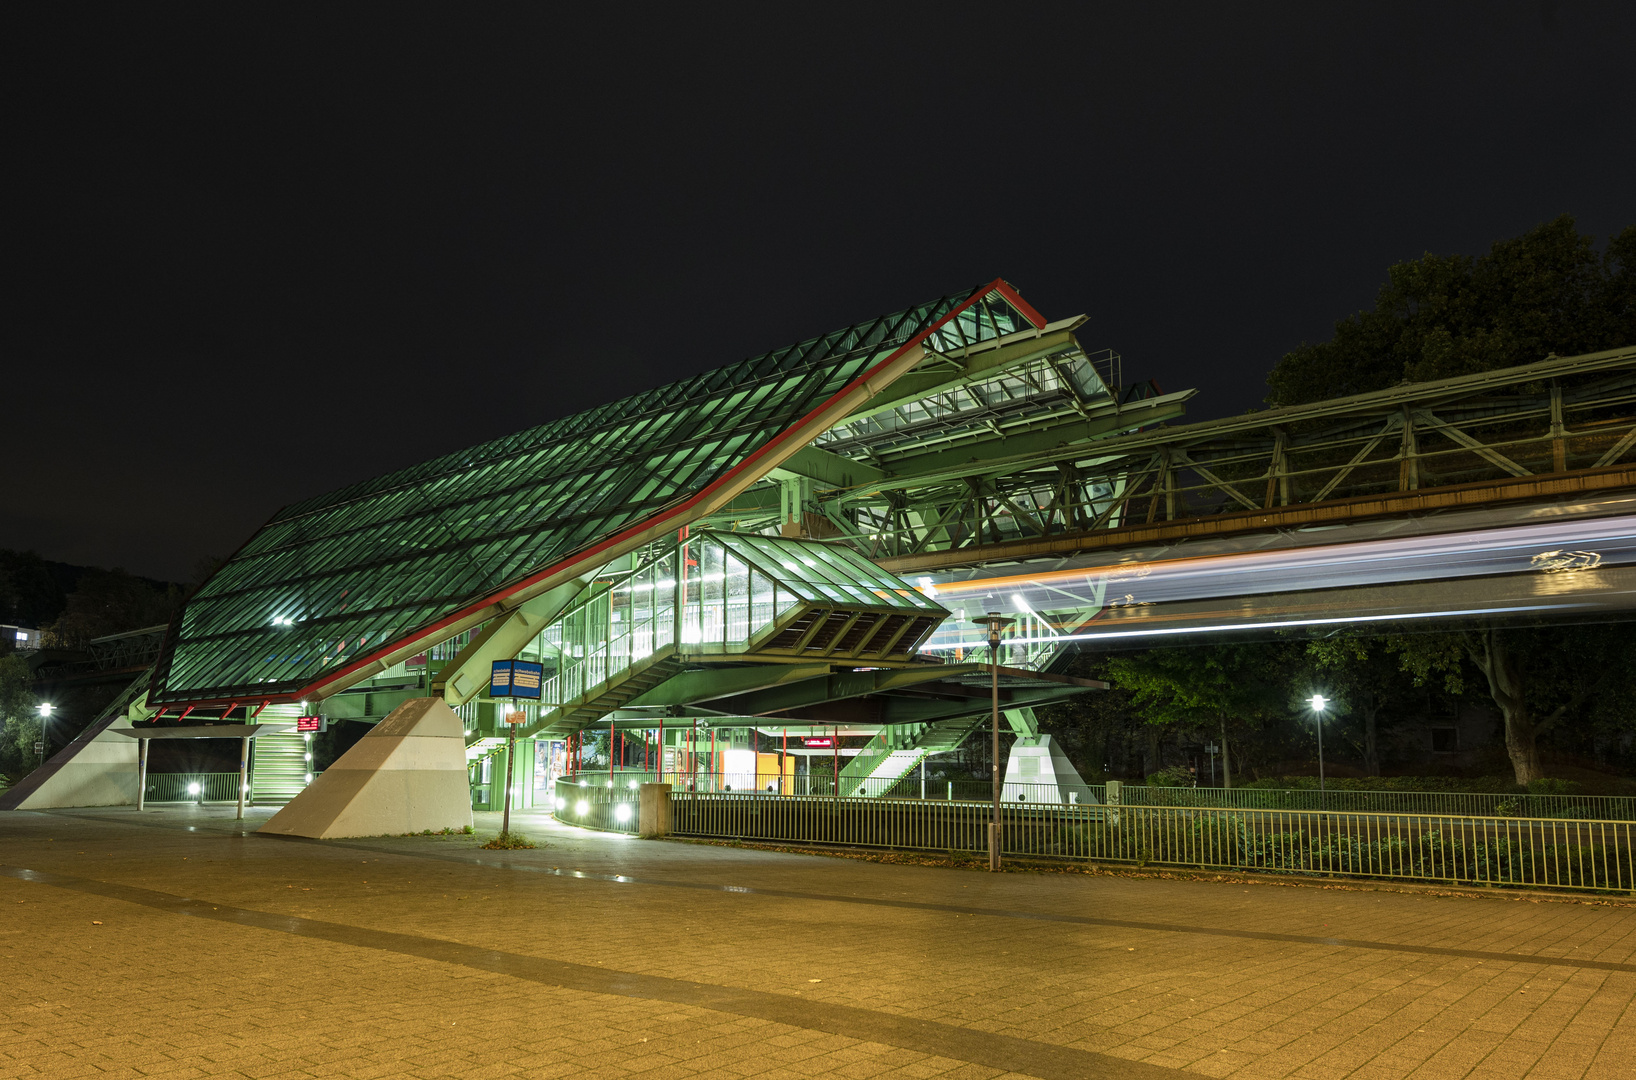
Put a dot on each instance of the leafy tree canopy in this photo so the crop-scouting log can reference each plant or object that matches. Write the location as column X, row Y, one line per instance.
column 1544, row 292
column 1202, row 684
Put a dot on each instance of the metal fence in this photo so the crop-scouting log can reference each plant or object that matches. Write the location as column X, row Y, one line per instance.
column 1427, row 847
column 1479, row 804
column 598, row 803
column 193, row 787
column 914, row 786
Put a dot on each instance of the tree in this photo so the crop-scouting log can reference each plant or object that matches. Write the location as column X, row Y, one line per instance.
column 1538, row 677
column 29, row 593
column 111, row 602
column 1207, row 686
column 1362, row 676
column 1544, row 292
column 19, row 720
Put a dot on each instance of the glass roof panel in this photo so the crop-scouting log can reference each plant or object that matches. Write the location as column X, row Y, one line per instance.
column 353, row 572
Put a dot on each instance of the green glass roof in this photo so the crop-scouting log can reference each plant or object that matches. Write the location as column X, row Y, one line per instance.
column 824, row 573
column 344, row 579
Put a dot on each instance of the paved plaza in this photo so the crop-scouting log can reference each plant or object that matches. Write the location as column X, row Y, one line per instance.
column 175, row 944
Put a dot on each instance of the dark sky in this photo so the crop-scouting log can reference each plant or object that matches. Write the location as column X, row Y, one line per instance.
column 254, row 252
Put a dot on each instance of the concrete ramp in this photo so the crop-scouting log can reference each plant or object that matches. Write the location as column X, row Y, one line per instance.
column 406, row 775
column 97, row 769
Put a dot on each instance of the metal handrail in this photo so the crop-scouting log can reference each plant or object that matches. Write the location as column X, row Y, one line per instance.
column 1434, row 848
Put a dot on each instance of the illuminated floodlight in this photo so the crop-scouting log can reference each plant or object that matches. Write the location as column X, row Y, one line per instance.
column 309, row 778
column 562, row 804
column 1317, row 701
column 622, row 813
column 632, row 785
column 610, row 783
column 45, row 708
column 583, row 784
column 193, row 789
column 582, row 808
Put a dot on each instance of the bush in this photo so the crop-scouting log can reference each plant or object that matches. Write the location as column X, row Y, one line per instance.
column 1484, row 785
column 509, row 842
column 1171, row 776
column 1546, row 785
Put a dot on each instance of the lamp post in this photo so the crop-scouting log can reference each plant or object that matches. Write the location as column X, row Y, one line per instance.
column 513, row 718
column 45, row 708
column 995, row 623
column 1318, row 702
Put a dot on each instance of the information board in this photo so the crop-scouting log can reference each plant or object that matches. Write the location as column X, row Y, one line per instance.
column 309, row 723
column 500, row 678
column 526, row 677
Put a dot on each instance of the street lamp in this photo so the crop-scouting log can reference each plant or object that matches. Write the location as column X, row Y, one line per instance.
column 44, row 709
column 995, row 623
column 1318, row 702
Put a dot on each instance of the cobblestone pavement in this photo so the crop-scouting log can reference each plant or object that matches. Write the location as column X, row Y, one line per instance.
column 175, row 944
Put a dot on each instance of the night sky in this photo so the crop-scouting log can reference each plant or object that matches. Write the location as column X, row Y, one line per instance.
column 254, row 252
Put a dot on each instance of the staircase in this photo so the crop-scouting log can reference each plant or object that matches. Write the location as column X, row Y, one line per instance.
column 605, row 697
column 897, row 750
column 281, row 767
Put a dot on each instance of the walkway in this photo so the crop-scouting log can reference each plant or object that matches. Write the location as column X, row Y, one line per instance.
column 174, row 946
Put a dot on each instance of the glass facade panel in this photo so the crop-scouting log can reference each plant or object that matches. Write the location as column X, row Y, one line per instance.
column 346, row 576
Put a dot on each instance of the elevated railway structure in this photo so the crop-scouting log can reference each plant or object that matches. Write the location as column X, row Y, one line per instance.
column 797, row 543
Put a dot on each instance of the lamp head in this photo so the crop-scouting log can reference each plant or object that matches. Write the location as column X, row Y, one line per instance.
column 995, row 623
column 1317, row 701
column 45, row 708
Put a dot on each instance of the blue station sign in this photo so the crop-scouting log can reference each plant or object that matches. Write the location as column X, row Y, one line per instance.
column 516, row 679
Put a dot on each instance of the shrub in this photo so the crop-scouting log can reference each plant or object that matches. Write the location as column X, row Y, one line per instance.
column 1171, row 776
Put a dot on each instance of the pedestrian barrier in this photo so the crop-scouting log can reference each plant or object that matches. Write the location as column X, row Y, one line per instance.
column 1463, row 803
column 1433, row 848
column 598, row 802
column 193, row 787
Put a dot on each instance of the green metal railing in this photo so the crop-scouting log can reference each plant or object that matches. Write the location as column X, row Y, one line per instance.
column 594, row 802
column 193, row 787
column 1461, row 803
column 1456, row 803
column 1433, row 848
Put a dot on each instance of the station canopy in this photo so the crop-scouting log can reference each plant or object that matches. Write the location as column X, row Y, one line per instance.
column 342, row 585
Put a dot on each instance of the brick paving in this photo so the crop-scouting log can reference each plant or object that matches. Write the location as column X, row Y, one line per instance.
column 174, row 945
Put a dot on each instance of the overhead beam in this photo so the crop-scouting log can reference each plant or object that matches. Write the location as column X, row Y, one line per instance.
column 691, row 687
column 972, row 363
column 464, row 677
column 1074, row 438
column 826, row 468
column 1335, row 511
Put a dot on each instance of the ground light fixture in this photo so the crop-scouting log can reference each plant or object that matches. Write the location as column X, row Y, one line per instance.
column 622, row 813
column 582, row 808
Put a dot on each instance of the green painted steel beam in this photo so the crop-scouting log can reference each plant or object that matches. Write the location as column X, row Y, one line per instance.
column 467, row 675
column 970, row 365
column 827, row 469
column 705, row 684
column 1072, row 438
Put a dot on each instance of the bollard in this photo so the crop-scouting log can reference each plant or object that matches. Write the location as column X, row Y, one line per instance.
column 653, row 811
column 1113, row 797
